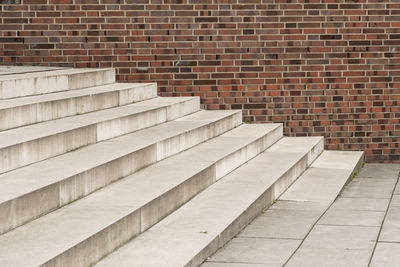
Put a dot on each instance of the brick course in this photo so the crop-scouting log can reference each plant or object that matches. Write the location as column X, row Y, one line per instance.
column 321, row 67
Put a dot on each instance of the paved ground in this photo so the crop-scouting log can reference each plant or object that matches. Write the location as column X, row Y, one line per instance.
column 361, row 228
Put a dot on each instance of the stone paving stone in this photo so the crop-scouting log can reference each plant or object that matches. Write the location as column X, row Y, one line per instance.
column 386, row 255
column 318, row 257
column 358, row 190
column 235, row 264
column 395, row 201
column 299, row 205
column 366, row 204
column 277, row 223
column 257, row 250
column 342, row 237
column 374, row 182
column 385, row 171
column 352, row 217
column 397, row 190
column 391, row 227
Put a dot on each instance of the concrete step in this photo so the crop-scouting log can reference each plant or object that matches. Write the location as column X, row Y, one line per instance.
column 197, row 229
column 8, row 69
column 273, row 237
column 36, row 83
column 108, row 218
column 32, row 109
column 29, row 144
column 37, row 189
column 326, row 177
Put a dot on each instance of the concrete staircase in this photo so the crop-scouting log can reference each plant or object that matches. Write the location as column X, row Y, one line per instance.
column 95, row 172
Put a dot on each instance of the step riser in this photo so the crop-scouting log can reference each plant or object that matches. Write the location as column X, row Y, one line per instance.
column 38, row 112
column 19, row 211
column 255, row 209
column 229, row 163
column 89, row 252
column 32, row 151
column 55, row 82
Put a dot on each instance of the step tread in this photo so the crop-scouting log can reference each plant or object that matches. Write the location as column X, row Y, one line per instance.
column 55, row 96
column 26, row 179
column 203, row 219
column 58, row 72
column 48, row 236
column 325, row 178
column 43, row 129
column 8, row 70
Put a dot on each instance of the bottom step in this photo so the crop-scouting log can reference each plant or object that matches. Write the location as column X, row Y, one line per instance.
column 196, row 230
column 273, row 237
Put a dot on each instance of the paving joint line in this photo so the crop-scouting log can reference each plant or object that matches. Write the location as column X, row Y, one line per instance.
column 383, row 221
column 316, row 222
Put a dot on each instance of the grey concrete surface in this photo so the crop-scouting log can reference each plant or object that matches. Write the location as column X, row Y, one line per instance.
column 8, row 69
column 124, row 209
column 307, row 257
column 23, row 198
column 226, row 207
column 282, row 223
column 33, row 109
column 361, row 228
column 36, row 83
column 252, row 251
column 294, row 216
column 386, row 255
column 32, row 143
column 342, row 237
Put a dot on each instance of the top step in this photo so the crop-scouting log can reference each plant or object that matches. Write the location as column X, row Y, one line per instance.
column 43, row 82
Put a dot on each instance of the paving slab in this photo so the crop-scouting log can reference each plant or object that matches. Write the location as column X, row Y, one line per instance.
column 352, row 217
column 299, row 208
column 395, row 201
column 365, row 191
column 377, row 183
column 381, row 171
column 342, row 237
column 391, row 227
column 299, row 205
column 276, row 223
column 255, row 251
column 397, row 190
column 386, row 255
column 236, row 264
column 307, row 257
column 362, row 204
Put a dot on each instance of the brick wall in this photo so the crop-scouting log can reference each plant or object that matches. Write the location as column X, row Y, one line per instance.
column 321, row 67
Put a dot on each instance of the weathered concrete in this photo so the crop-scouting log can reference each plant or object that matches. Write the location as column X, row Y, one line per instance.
column 295, row 214
column 36, row 83
column 29, row 144
column 124, row 209
column 227, row 206
column 33, row 109
column 23, row 198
